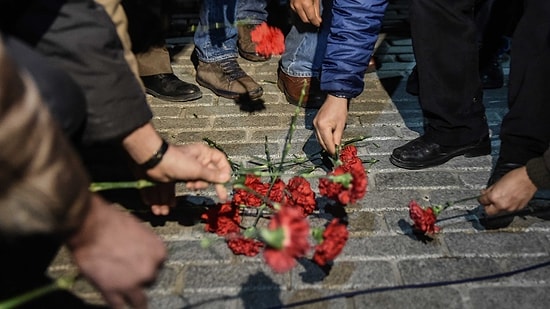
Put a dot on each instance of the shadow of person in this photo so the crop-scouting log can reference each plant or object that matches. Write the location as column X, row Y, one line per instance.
column 269, row 295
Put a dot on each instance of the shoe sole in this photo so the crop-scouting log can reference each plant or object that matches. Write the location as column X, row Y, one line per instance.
column 252, row 57
column 466, row 152
column 231, row 95
column 185, row 98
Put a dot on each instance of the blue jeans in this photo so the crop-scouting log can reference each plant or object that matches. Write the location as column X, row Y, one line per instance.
column 251, row 11
column 216, row 35
column 305, row 45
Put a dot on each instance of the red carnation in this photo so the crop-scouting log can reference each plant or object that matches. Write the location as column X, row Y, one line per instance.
column 424, row 219
column 335, row 237
column 300, row 195
column 269, row 40
column 348, row 153
column 277, row 193
column 359, row 181
column 347, row 189
column 244, row 246
column 244, row 197
column 295, row 239
column 223, row 219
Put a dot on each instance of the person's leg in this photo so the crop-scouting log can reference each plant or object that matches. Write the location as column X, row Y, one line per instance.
column 249, row 15
column 145, row 19
column 301, row 61
column 118, row 16
column 444, row 39
column 525, row 130
column 216, row 50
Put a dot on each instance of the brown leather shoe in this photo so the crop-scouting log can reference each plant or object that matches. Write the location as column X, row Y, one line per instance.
column 292, row 88
column 226, row 79
column 247, row 48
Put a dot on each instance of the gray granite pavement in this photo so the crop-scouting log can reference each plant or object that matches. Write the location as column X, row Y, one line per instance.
column 383, row 265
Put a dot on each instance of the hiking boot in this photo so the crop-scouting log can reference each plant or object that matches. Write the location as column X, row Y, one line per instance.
column 226, row 79
column 247, row 48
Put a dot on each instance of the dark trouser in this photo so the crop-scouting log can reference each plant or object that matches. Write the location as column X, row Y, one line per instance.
column 525, row 130
column 444, row 36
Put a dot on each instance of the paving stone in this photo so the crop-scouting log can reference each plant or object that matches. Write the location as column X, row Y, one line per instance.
column 440, row 297
column 388, row 247
column 491, row 244
column 247, row 277
column 437, row 270
column 510, row 297
column 343, row 274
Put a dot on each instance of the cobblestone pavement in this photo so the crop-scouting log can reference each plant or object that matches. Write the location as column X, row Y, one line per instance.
column 383, row 265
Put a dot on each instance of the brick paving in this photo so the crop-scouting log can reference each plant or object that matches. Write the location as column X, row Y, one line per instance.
column 383, row 265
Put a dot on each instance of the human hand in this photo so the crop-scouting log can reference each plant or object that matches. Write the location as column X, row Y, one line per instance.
column 196, row 164
column 330, row 122
column 511, row 193
column 117, row 253
column 308, row 10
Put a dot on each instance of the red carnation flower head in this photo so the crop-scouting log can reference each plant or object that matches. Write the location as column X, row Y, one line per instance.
column 424, row 219
column 348, row 153
column 286, row 238
column 335, row 237
column 269, row 40
column 300, row 195
column 222, row 219
column 245, row 246
column 277, row 193
column 346, row 184
column 247, row 198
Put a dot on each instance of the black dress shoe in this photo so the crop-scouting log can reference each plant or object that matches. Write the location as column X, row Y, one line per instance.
column 496, row 222
column 170, row 88
column 422, row 153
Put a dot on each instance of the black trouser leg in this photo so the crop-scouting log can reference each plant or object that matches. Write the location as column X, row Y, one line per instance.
column 525, row 131
column 444, row 40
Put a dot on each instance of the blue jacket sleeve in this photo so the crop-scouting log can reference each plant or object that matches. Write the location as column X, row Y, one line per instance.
column 353, row 33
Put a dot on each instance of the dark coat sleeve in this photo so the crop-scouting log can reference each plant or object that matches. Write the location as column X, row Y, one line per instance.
column 538, row 170
column 350, row 44
column 80, row 38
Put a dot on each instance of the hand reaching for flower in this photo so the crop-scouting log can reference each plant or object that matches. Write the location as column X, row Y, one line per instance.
column 197, row 164
column 511, row 193
column 330, row 122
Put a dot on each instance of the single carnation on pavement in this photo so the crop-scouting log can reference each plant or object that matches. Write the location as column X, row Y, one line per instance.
column 281, row 256
column 424, row 219
column 335, row 237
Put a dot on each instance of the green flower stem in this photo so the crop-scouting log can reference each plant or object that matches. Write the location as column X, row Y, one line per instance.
column 60, row 283
column 258, row 216
column 139, row 184
column 273, row 238
column 439, row 208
